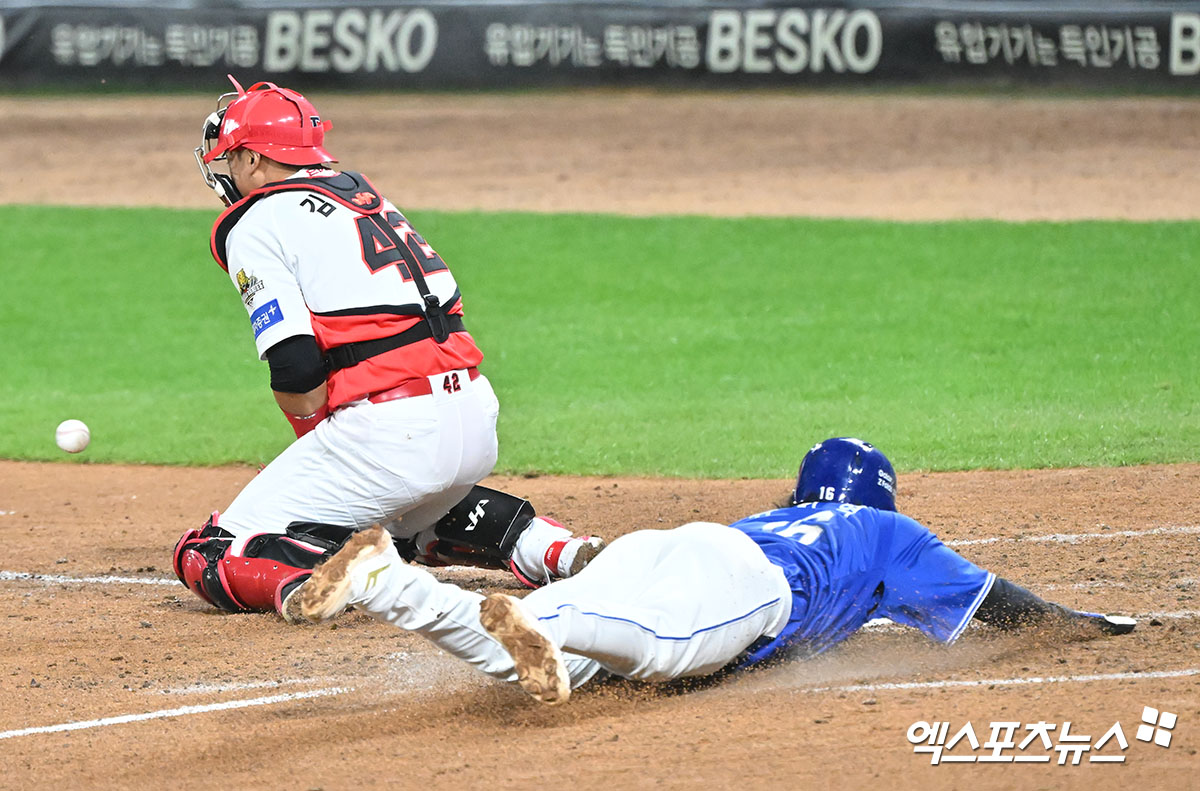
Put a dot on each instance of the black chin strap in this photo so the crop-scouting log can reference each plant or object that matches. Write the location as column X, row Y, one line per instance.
column 226, row 190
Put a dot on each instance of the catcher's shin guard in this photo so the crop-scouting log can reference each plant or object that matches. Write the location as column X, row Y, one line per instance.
column 195, row 551
column 495, row 530
column 481, row 531
column 252, row 574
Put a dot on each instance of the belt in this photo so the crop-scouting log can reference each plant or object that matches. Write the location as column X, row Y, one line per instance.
column 413, row 387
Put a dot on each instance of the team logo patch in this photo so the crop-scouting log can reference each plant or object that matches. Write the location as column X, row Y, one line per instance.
column 249, row 286
column 363, row 199
column 265, row 316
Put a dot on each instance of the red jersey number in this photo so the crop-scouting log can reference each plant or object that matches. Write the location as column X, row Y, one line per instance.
column 379, row 252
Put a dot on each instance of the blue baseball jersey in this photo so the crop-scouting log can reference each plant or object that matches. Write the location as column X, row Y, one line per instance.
column 847, row 564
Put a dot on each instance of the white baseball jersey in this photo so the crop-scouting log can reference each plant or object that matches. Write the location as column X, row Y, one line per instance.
column 310, row 257
column 306, row 263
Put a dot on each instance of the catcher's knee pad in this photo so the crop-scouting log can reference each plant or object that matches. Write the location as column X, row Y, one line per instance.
column 251, row 574
column 481, row 531
column 485, row 530
column 195, row 551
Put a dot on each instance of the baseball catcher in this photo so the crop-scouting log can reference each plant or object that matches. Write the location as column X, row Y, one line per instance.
column 665, row 604
column 361, row 324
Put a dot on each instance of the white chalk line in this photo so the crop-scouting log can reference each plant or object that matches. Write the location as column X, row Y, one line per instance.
column 59, row 579
column 62, row 579
column 1064, row 538
column 1007, row 682
column 1084, row 585
column 1074, row 538
column 238, row 686
column 1176, row 614
column 179, row 712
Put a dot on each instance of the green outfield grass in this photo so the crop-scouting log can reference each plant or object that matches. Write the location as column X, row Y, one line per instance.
column 677, row 346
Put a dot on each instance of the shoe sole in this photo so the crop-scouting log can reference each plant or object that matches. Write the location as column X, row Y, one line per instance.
column 541, row 671
column 327, row 591
column 585, row 555
column 290, row 608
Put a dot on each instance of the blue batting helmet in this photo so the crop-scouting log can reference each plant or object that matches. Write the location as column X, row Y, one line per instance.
column 846, row 470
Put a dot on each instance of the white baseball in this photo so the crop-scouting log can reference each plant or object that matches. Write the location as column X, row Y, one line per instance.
column 72, row 435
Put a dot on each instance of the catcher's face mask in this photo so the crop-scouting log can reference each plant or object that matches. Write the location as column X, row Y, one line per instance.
column 275, row 122
column 220, row 183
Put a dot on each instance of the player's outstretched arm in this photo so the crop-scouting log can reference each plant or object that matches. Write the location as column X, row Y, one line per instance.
column 1010, row 607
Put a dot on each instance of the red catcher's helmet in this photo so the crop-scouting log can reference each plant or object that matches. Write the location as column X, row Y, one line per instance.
column 276, row 122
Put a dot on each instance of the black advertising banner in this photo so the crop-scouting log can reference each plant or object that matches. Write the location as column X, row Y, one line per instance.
column 487, row 44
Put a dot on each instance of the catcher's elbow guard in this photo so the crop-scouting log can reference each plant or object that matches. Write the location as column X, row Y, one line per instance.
column 247, row 575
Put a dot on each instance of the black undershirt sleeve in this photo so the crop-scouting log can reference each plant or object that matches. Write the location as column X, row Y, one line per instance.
column 296, row 365
column 1009, row 606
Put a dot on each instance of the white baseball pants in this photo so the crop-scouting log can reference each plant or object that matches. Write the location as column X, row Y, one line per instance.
column 655, row 605
column 413, row 458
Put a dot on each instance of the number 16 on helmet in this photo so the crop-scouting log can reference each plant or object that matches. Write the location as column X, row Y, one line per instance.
column 846, row 470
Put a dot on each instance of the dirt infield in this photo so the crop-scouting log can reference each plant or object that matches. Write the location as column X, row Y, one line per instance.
column 132, row 681
column 658, row 153
column 393, row 712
